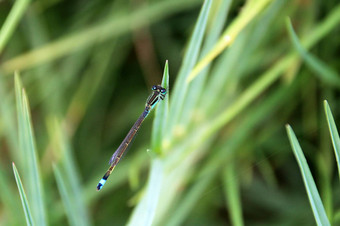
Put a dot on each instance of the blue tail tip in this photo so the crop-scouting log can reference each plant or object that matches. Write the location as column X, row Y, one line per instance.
column 99, row 186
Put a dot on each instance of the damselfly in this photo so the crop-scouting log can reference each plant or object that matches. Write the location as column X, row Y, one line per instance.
column 158, row 94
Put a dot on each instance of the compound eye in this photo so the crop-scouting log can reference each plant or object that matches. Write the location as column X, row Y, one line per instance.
column 154, row 87
column 163, row 90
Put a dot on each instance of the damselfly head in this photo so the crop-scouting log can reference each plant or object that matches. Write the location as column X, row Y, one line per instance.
column 159, row 89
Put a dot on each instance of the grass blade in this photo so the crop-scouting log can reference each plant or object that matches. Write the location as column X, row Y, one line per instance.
column 67, row 176
column 24, row 201
column 250, row 11
column 272, row 74
column 232, row 192
column 161, row 115
column 324, row 72
column 227, row 70
column 7, row 114
column 334, row 133
column 12, row 21
column 337, row 218
column 9, row 200
column 189, row 61
column 216, row 23
column 313, row 194
column 21, row 134
column 144, row 212
column 221, row 157
column 68, row 199
column 27, row 145
column 113, row 27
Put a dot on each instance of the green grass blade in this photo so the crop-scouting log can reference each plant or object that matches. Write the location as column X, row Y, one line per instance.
column 21, row 134
column 334, row 133
column 68, row 199
column 12, row 21
column 189, row 202
column 221, row 156
column 112, row 27
column 313, row 194
column 232, row 192
column 272, row 74
column 227, row 70
column 67, row 176
column 27, row 146
column 337, row 218
column 24, row 201
column 324, row 72
column 144, row 212
column 161, row 115
column 197, row 87
column 189, row 61
column 8, row 117
column 249, row 12
column 9, row 200
column 65, row 196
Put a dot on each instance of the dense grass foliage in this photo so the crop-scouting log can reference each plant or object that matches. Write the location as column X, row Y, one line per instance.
column 75, row 75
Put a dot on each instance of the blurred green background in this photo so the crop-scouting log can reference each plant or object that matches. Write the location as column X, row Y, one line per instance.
column 218, row 152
